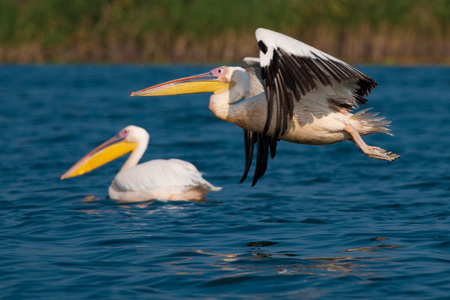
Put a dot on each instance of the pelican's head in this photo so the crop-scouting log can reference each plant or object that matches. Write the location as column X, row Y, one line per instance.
column 134, row 134
column 217, row 81
column 124, row 142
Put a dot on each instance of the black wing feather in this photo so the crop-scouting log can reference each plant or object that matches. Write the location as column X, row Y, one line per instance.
column 264, row 146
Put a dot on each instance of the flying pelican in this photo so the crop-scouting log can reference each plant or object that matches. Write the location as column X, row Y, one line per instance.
column 160, row 179
column 292, row 92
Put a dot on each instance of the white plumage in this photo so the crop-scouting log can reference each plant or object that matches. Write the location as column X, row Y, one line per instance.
column 160, row 179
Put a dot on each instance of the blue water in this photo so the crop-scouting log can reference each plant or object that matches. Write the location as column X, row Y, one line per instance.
column 325, row 221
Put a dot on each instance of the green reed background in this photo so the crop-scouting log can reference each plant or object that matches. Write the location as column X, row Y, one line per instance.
column 369, row 31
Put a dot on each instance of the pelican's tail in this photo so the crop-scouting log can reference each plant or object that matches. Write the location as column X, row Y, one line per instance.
column 213, row 188
column 367, row 123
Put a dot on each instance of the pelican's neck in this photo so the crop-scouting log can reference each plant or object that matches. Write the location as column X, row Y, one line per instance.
column 135, row 155
column 221, row 104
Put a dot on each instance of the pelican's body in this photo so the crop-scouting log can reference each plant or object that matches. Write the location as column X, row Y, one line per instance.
column 159, row 179
column 293, row 92
column 313, row 122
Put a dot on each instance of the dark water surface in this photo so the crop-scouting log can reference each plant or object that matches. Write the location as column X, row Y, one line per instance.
column 324, row 222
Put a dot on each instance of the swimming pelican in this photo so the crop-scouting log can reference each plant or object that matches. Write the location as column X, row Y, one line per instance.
column 159, row 179
column 292, row 92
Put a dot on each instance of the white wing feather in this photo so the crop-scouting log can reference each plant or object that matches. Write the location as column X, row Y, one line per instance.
column 160, row 173
column 252, row 66
column 273, row 40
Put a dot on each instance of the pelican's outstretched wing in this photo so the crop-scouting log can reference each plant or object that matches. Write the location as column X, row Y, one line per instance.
column 290, row 69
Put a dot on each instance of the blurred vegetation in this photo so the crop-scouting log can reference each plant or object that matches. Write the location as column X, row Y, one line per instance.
column 377, row 31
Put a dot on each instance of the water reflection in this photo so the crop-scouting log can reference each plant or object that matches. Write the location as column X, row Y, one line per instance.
column 279, row 262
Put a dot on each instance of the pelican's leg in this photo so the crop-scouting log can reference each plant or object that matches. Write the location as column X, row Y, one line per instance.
column 370, row 151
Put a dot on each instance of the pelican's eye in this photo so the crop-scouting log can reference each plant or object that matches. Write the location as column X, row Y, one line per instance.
column 219, row 71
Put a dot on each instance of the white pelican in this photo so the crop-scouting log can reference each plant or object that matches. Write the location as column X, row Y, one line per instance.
column 292, row 92
column 159, row 179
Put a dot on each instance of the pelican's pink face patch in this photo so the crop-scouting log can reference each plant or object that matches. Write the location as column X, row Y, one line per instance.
column 219, row 72
column 123, row 133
